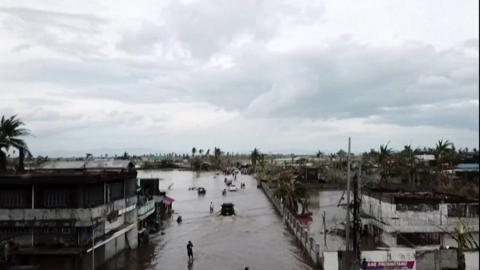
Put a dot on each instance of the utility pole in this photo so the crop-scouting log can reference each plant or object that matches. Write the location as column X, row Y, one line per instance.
column 355, row 221
column 324, row 231
column 347, row 225
column 93, row 247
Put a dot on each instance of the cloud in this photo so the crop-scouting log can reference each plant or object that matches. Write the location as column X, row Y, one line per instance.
column 281, row 75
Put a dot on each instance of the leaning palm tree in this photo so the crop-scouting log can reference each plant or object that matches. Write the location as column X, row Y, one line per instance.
column 10, row 132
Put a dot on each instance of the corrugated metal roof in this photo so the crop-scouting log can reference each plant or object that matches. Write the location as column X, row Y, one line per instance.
column 90, row 164
column 467, row 166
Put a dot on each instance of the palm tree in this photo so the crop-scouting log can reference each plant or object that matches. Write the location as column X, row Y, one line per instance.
column 216, row 154
column 301, row 194
column 408, row 161
column 194, row 150
column 10, row 132
column 444, row 152
column 442, row 149
column 292, row 193
column 464, row 240
column 254, row 157
column 384, row 161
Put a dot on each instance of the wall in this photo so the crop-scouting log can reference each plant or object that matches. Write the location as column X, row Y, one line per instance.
column 406, row 220
column 330, row 260
column 436, row 259
column 389, row 239
column 471, row 260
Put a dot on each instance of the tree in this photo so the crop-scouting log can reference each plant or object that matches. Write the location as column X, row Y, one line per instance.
column 292, row 193
column 464, row 240
column 444, row 154
column 409, row 164
column 10, row 132
column 384, row 161
column 319, row 153
column 254, row 157
column 216, row 154
column 194, row 150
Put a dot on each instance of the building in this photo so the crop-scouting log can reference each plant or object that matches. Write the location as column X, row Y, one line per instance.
column 149, row 187
column 70, row 214
column 468, row 171
column 416, row 219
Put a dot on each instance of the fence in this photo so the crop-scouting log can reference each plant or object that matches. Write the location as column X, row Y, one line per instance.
column 310, row 246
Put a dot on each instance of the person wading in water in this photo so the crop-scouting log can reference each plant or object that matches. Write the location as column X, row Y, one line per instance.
column 190, row 250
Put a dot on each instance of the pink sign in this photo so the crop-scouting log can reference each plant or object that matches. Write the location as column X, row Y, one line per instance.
column 391, row 265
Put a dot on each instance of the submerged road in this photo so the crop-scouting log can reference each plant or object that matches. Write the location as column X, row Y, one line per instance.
column 255, row 237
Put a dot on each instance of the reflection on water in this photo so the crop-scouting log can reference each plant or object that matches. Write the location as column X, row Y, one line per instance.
column 255, row 237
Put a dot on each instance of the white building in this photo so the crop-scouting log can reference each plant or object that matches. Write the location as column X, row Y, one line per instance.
column 416, row 219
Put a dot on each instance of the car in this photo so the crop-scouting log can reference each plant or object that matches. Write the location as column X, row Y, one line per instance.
column 227, row 209
column 232, row 188
column 201, row 190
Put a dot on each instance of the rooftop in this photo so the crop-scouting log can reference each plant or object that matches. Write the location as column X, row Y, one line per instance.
column 85, row 164
column 415, row 197
column 90, row 171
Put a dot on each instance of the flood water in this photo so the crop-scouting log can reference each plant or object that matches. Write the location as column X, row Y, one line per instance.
column 325, row 203
column 255, row 237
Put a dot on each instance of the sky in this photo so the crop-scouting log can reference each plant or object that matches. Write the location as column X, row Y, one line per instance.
column 151, row 76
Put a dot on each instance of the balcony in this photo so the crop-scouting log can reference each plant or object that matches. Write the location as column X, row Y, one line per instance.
column 146, row 209
column 78, row 217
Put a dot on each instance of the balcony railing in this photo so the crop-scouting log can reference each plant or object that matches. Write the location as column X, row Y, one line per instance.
column 146, row 208
column 78, row 216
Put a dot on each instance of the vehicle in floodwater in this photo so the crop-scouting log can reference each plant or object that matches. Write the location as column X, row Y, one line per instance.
column 201, row 190
column 232, row 188
column 227, row 209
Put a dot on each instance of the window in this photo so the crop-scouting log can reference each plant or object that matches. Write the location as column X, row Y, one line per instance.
column 13, row 198
column 54, row 198
column 93, row 195
column 116, row 190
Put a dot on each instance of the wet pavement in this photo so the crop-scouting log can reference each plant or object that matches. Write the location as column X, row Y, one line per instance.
column 255, row 237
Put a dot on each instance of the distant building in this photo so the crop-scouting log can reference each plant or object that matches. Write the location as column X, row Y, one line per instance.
column 70, row 210
column 467, row 171
column 309, row 175
column 425, row 158
column 415, row 219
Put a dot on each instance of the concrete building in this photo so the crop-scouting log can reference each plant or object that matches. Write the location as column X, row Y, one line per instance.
column 420, row 220
column 70, row 214
column 162, row 203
